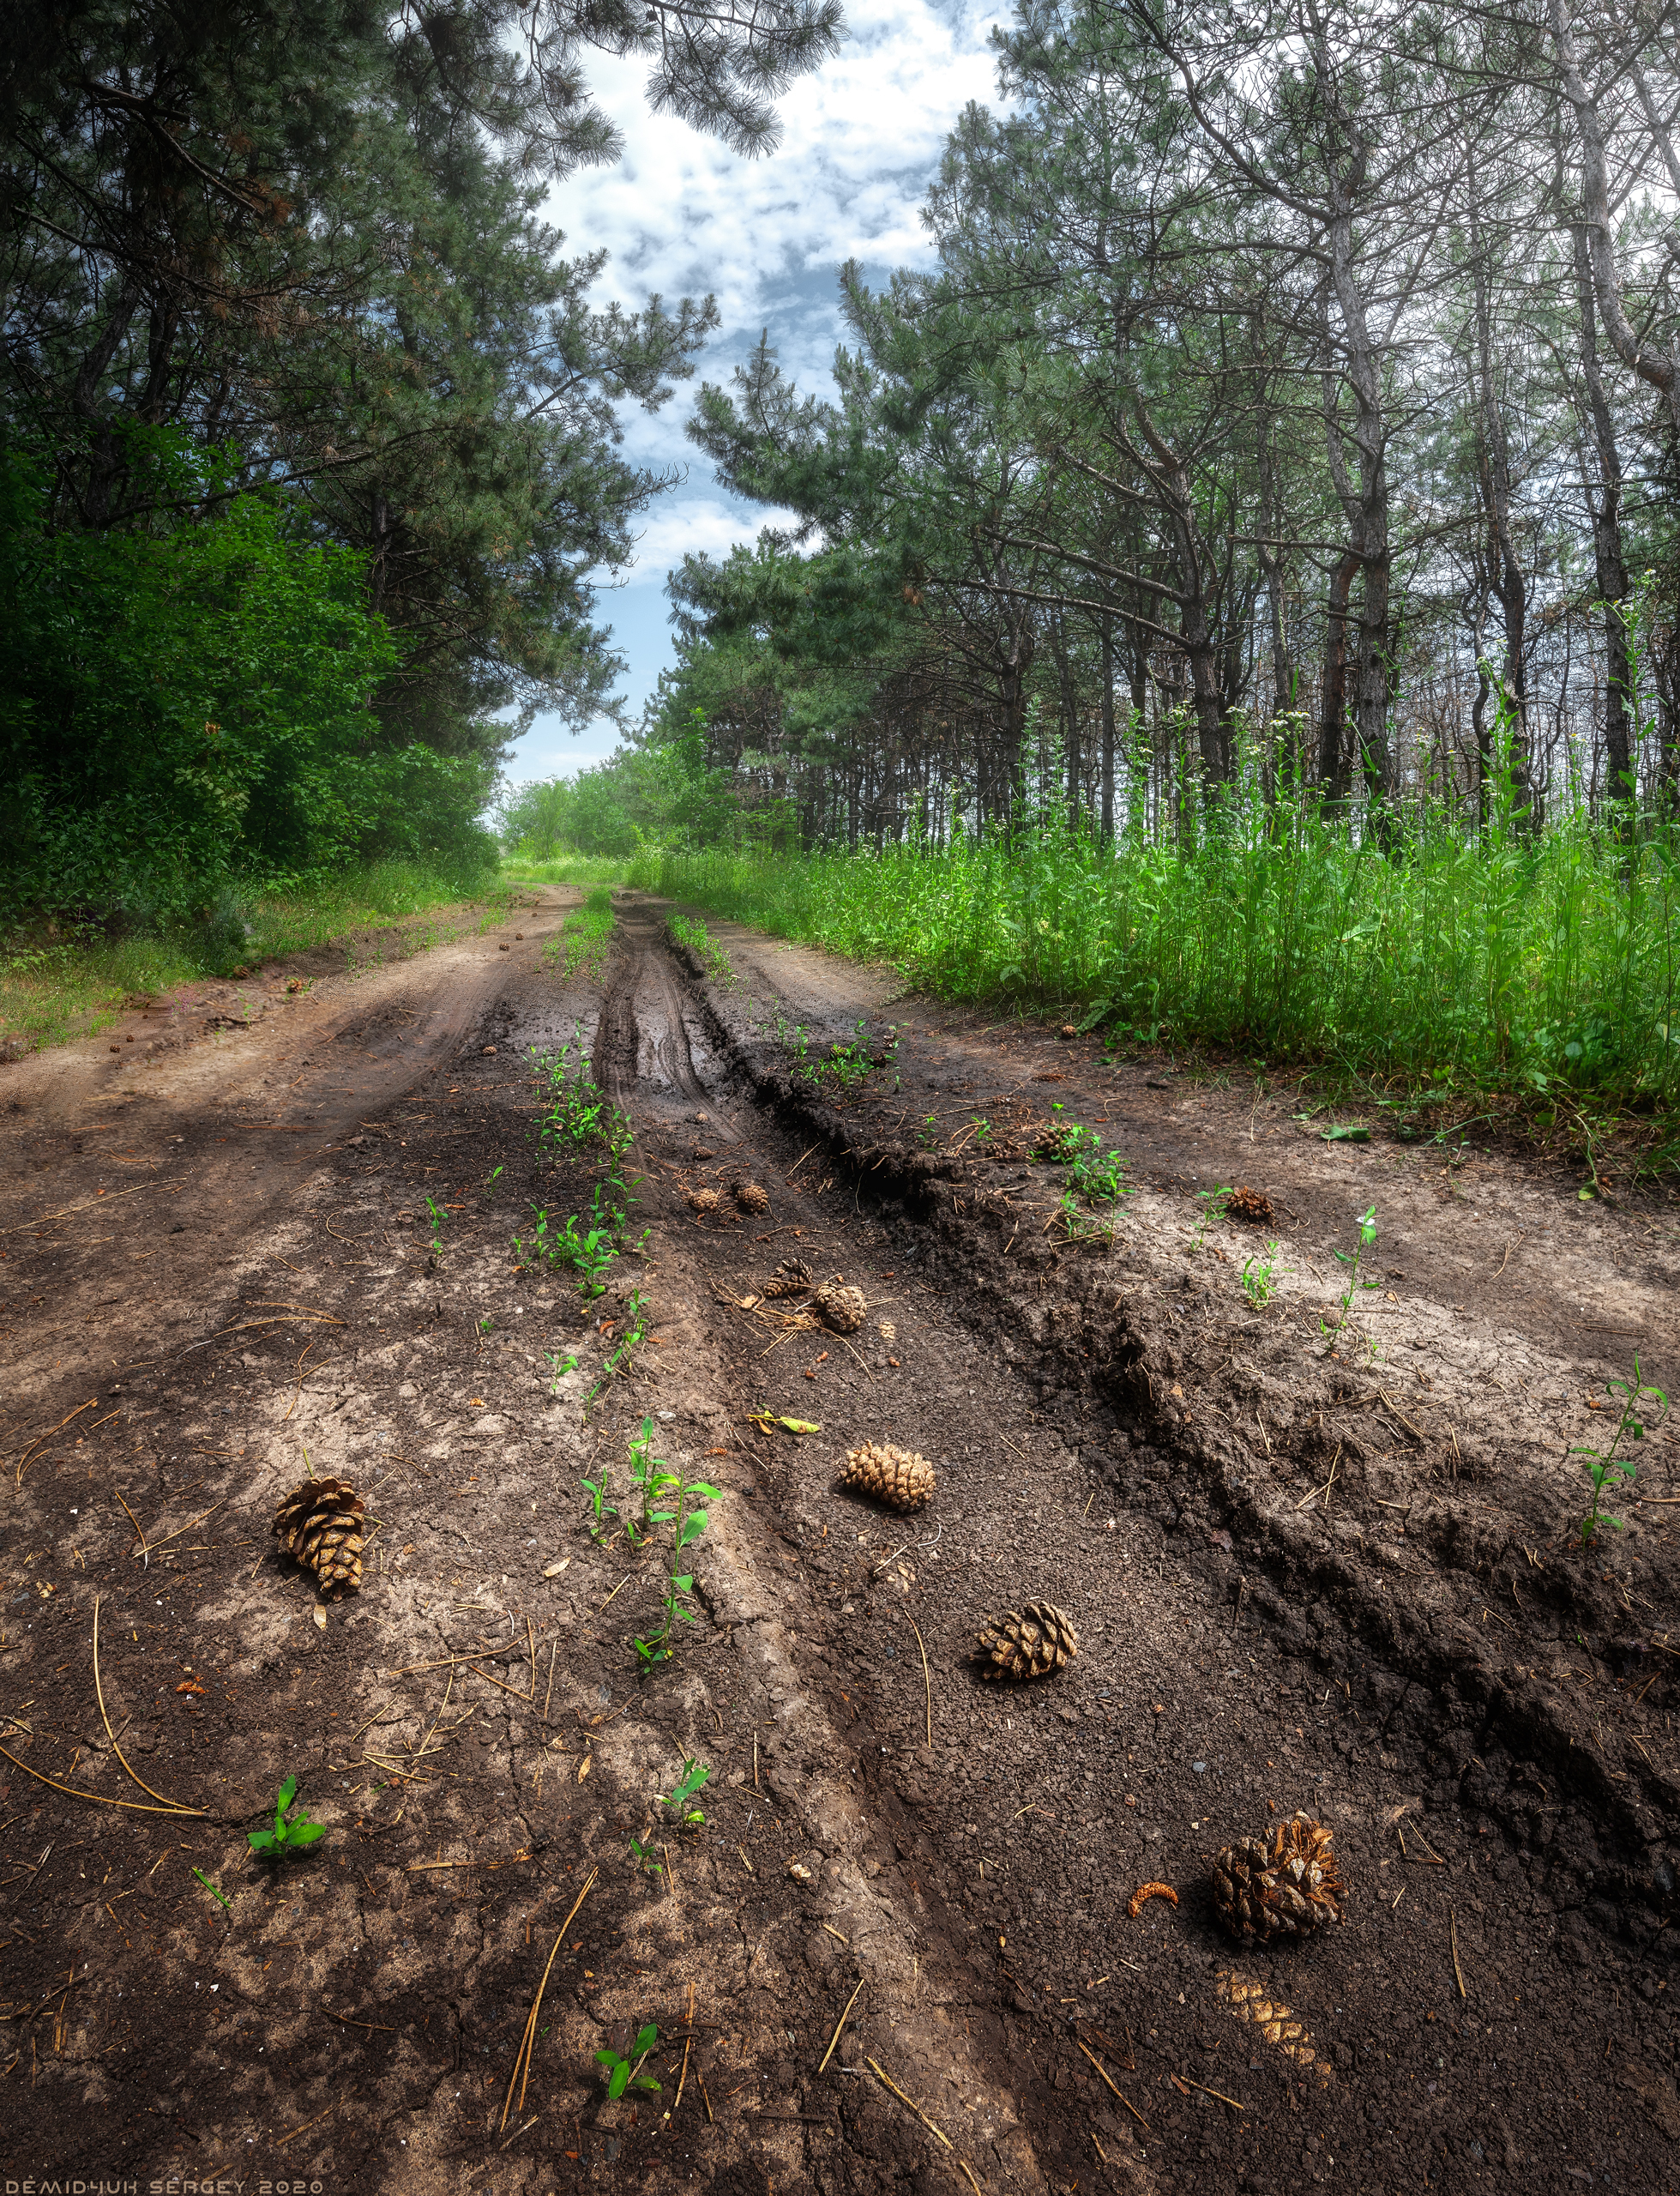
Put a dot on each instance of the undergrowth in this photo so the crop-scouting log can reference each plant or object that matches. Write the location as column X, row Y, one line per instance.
column 1545, row 965
column 62, row 978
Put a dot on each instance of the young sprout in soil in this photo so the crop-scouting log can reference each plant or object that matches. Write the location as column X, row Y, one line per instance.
column 1259, row 1285
column 622, row 1358
column 678, row 1814
column 626, row 2073
column 678, row 1496
column 437, row 1212
column 285, row 1838
column 1351, row 1259
column 600, row 1508
column 557, row 1369
column 1212, row 1207
column 1605, row 1467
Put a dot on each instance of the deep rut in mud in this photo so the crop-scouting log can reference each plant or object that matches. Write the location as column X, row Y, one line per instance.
column 1304, row 1575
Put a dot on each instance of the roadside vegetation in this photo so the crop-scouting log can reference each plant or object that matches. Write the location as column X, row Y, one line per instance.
column 62, row 978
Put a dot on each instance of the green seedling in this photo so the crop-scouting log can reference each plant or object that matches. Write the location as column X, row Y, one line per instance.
column 1093, row 1174
column 600, row 1508
column 625, row 2073
column 558, row 1368
column 437, row 1212
column 211, row 1888
column 490, row 1178
column 1351, row 1259
column 622, row 1358
column 1212, row 1207
column 929, row 1131
column 1259, row 1284
column 573, row 1111
column 678, row 1498
column 285, row 1838
column 678, row 1814
column 1608, row 1468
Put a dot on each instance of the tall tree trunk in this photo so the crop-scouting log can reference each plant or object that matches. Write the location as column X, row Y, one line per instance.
column 1610, row 568
column 1333, row 757
column 1108, row 732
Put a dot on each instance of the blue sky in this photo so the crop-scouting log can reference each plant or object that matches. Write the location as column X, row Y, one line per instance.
column 680, row 215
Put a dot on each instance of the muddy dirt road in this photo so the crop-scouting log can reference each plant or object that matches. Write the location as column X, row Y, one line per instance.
column 1332, row 1570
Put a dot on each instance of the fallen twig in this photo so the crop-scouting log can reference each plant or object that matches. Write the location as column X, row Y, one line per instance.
column 914, row 2107
column 839, row 2025
column 521, row 2072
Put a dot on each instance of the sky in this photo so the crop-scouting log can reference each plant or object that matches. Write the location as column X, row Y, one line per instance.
column 682, row 215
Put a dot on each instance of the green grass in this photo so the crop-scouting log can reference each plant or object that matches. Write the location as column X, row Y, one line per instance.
column 1545, row 965
column 584, row 937
column 565, row 869
column 60, row 980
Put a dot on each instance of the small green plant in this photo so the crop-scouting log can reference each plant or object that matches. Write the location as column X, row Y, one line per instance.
column 437, row 1213
column 601, row 1509
column 625, row 2073
column 285, row 1838
column 573, row 1111
column 490, row 1178
column 1350, row 1260
column 622, row 1358
column 211, row 1888
column 1212, row 1207
column 678, row 1814
column 679, row 1499
column 1608, row 1468
column 1259, row 1282
column 929, row 1131
column 559, row 1367
column 1094, row 1173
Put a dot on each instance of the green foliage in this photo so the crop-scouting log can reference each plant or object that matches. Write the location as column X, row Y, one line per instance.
column 677, row 1497
column 574, row 1112
column 1547, row 963
column 689, row 930
column 1259, row 1277
column 1350, row 1261
column 623, row 2073
column 585, row 935
column 1608, row 1467
column 285, row 1838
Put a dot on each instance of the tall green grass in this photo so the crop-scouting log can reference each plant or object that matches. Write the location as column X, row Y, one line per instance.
column 61, row 979
column 1547, row 963
column 563, row 869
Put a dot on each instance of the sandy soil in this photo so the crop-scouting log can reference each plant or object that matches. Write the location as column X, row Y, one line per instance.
column 219, row 1262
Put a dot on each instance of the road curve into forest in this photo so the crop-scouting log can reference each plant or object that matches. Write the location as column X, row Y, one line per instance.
column 253, row 1234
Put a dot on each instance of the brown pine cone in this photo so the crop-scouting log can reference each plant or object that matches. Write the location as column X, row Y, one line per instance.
column 1254, row 1206
column 1027, row 1642
column 898, row 1477
column 792, row 1277
column 841, row 1309
column 320, row 1523
column 1056, row 1142
column 752, row 1197
column 1286, row 1889
column 702, row 1200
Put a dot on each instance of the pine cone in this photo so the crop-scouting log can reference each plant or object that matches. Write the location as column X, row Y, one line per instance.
column 897, row 1477
column 320, row 1523
column 1056, row 1142
column 1286, row 1889
column 842, row 1308
column 792, row 1277
column 752, row 1197
column 702, row 1200
column 1027, row 1642
column 1251, row 1204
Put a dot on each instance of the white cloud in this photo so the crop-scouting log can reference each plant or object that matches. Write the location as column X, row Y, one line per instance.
column 680, row 215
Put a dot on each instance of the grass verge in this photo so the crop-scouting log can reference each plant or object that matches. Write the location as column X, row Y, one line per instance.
column 580, row 947
column 565, row 869
column 59, row 979
column 1546, row 969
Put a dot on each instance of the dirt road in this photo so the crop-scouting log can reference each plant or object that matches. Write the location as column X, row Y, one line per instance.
column 1313, row 1564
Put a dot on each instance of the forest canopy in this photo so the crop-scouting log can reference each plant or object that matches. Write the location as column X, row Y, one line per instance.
column 309, row 426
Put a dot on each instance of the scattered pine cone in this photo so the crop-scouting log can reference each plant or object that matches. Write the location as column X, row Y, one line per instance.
column 1057, row 1141
column 792, row 1277
column 898, row 1477
column 1027, row 1642
column 1246, row 1203
column 1286, row 1889
column 752, row 1197
column 841, row 1309
column 702, row 1200
column 320, row 1523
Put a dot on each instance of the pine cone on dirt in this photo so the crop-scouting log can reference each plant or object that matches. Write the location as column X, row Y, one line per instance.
column 1056, row 1142
column 320, row 1524
column 1286, row 1889
column 841, row 1309
column 1254, row 1206
column 1027, row 1642
column 792, row 1277
column 702, row 1200
column 898, row 1477
column 752, row 1197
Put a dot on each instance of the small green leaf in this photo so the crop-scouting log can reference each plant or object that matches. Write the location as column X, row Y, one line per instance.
column 621, row 2075
column 1345, row 1135
column 647, row 2038
column 305, row 1833
column 287, row 1793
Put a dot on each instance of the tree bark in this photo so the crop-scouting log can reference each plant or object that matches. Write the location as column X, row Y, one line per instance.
column 1610, row 568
